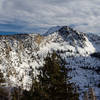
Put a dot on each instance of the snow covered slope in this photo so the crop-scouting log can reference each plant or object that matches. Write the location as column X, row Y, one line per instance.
column 21, row 54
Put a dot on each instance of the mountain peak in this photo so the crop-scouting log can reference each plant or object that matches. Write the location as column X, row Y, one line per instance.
column 67, row 33
column 66, row 29
column 61, row 29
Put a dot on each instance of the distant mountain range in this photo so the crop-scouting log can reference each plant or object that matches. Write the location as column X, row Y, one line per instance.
column 10, row 33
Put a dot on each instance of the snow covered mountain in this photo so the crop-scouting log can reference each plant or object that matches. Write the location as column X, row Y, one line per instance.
column 21, row 54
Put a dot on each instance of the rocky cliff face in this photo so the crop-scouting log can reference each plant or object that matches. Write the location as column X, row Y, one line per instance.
column 21, row 54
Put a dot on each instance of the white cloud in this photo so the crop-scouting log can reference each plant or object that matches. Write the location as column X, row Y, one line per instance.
column 30, row 15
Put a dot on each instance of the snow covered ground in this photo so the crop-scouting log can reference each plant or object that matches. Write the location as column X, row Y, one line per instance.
column 21, row 54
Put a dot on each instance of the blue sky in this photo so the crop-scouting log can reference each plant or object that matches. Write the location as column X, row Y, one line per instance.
column 40, row 15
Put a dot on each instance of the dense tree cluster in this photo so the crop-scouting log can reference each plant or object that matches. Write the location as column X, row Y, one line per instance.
column 2, row 80
column 53, row 82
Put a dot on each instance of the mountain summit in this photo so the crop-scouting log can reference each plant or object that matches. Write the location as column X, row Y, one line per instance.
column 71, row 38
column 67, row 33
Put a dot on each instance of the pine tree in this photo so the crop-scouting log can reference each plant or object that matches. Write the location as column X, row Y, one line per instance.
column 54, row 80
column 3, row 92
column 2, row 80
